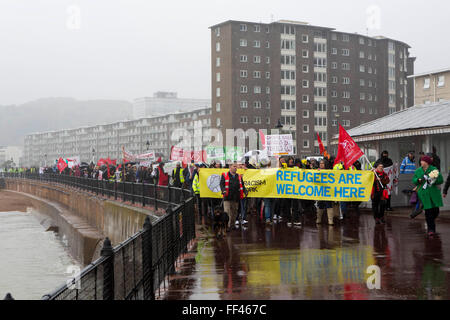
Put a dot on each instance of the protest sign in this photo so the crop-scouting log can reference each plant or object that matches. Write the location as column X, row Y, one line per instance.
column 279, row 144
column 326, row 185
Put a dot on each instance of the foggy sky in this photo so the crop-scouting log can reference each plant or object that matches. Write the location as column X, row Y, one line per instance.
column 124, row 49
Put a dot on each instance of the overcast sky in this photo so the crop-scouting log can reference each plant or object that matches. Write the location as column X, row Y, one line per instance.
column 124, row 49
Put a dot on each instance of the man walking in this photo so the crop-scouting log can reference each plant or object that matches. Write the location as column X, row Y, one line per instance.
column 408, row 164
column 233, row 190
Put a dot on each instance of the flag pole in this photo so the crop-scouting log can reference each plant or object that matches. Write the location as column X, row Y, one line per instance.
column 372, row 169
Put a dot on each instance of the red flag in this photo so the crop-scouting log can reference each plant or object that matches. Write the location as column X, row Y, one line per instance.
column 321, row 147
column 263, row 139
column 61, row 165
column 159, row 159
column 348, row 150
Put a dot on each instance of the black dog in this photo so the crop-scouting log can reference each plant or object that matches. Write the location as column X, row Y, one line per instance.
column 220, row 222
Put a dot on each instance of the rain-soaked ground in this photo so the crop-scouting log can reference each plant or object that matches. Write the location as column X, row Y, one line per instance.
column 318, row 262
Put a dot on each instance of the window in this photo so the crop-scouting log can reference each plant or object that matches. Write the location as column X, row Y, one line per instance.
column 217, row 107
column 320, row 121
column 287, row 44
column 320, row 77
column 288, row 90
column 287, row 120
column 369, row 70
column 345, row 66
column 243, row 73
column 305, row 53
column 370, row 83
column 243, row 27
column 257, row 120
column 256, row 28
column 305, row 144
column 362, row 96
column 305, row 38
column 218, row 77
column 217, row 31
column 287, row 75
column 346, row 123
column 345, row 108
column 257, row 59
column 243, row 42
column 287, row 104
column 346, row 80
column 369, row 42
column 320, row 92
column 243, row 58
column 362, row 110
column 345, row 37
column 217, row 46
column 267, row 44
column 217, row 92
column 267, row 60
column 288, row 29
column 267, row 90
column 244, row 119
column 305, row 98
column 346, row 95
column 334, row 123
column 244, row 104
column 333, row 36
column 218, row 122
column 335, row 108
column 334, row 79
column 267, row 75
column 361, row 40
column 243, row 89
column 362, row 68
column 334, row 65
column 267, row 120
column 320, row 47
column 441, row 81
column 305, row 114
column 305, row 68
column 320, row 62
column 334, row 94
column 320, row 106
column 267, row 104
column 289, row 60
column 256, row 89
column 257, row 44
column 305, row 128
column 257, row 104
column 257, row 74
column 426, row 83
column 267, row 30
column 345, row 52
column 305, row 83
column 217, row 62
column 333, row 51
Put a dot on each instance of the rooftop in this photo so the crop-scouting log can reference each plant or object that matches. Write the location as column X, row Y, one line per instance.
column 415, row 120
column 430, row 72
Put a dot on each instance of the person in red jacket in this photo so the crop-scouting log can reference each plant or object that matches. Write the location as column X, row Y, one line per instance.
column 378, row 194
column 233, row 191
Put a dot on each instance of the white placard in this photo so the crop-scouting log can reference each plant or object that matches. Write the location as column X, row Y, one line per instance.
column 279, row 144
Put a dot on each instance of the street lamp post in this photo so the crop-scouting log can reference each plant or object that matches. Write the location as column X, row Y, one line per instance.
column 148, row 145
column 93, row 155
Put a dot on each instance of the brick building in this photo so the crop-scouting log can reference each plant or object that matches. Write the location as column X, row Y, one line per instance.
column 310, row 78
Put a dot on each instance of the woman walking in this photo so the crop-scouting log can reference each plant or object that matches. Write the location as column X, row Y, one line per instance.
column 427, row 178
column 378, row 194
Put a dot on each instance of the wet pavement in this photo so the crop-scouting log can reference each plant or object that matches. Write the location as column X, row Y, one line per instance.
column 318, row 262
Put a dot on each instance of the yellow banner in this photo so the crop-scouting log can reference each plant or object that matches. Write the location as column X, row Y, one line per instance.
column 294, row 183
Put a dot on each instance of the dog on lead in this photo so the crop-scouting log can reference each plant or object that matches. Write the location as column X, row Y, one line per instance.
column 220, row 222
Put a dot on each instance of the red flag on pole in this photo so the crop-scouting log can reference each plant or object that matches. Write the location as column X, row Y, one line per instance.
column 61, row 165
column 263, row 139
column 348, row 150
column 321, row 147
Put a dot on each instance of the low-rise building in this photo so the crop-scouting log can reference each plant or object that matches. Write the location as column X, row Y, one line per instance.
column 430, row 87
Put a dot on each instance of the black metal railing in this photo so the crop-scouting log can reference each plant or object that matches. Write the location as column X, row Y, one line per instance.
column 138, row 267
column 145, row 194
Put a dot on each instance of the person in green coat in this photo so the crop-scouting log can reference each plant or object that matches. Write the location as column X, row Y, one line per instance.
column 428, row 192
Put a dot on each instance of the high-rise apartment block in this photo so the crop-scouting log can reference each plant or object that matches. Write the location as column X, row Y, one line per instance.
column 310, row 78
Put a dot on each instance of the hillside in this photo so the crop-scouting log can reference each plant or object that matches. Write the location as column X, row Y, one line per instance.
column 57, row 113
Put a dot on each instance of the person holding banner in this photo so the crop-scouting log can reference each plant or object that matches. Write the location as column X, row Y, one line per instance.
column 233, row 190
column 387, row 162
column 379, row 192
column 325, row 206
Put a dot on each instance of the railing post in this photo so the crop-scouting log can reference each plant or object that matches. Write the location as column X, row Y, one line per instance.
column 132, row 192
column 8, row 297
column 143, row 194
column 108, row 270
column 147, row 261
column 156, row 196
